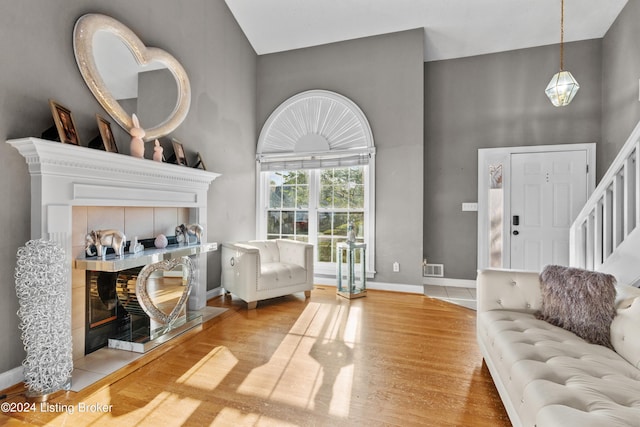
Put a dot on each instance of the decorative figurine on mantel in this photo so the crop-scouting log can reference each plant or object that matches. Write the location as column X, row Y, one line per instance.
column 137, row 144
column 161, row 241
column 102, row 239
column 135, row 246
column 157, row 151
column 183, row 231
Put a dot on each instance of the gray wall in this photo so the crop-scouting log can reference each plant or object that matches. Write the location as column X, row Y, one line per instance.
column 487, row 101
column 620, row 74
column 38, row 64
column 383, row 76
column 157, row 95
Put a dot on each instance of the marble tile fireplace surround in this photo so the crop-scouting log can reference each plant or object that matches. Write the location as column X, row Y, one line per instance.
column 75, row 189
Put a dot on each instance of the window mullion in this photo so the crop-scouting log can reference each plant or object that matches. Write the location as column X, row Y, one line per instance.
column 263, row 205
column 313, row 207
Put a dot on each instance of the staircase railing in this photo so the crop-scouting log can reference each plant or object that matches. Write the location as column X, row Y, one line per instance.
column 605, row 235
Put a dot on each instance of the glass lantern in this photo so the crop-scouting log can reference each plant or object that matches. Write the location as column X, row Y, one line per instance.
column 352, row 272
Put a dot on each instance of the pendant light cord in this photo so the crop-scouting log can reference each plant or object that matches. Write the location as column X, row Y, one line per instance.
column 562, row 35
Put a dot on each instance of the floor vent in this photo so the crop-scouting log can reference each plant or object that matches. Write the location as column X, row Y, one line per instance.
column 433, row 270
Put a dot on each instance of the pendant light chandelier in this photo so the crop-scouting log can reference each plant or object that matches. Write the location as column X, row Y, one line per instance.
column 562, row 87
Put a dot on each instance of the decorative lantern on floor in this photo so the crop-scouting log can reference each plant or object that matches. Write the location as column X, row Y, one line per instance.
column 45, row 317
column 351, row 272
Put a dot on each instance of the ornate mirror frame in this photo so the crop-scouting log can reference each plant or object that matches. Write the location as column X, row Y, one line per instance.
column 85, row 29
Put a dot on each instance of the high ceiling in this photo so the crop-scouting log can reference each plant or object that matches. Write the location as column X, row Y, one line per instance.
column 453, row 28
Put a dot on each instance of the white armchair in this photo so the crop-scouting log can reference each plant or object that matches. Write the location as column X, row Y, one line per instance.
column 262, row 269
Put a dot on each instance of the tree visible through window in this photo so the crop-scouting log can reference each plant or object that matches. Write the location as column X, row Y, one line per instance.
column 341, row 201
column 316, row 206
column 288, row 213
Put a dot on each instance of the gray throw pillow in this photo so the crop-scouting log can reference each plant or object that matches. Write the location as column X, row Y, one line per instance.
column 579, row 301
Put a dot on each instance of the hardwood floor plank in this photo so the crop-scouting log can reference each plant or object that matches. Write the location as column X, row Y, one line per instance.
column 389, row 359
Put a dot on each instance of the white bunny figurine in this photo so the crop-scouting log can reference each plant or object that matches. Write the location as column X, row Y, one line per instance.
column 137, row 144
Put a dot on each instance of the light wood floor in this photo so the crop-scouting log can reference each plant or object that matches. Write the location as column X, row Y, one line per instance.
column 389, row 359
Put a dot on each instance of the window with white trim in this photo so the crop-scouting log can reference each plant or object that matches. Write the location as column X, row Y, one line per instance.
column 316, row 206
column 340, row 201
column 315, row 173
column 287, row 215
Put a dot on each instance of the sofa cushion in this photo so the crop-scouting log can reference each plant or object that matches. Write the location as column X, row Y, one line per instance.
column 579, row 301
column 624, row 332
column 276, row 275
column 555, row 378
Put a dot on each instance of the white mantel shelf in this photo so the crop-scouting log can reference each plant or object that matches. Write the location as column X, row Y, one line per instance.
column 71, row 175
column 36, row 150
column 113, row 262
column 102, row 170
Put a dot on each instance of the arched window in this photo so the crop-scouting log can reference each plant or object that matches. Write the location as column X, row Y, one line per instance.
column 316, row 173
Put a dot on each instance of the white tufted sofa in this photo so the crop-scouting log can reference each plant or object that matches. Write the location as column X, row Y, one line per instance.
column 262, row 269
column 547, row 376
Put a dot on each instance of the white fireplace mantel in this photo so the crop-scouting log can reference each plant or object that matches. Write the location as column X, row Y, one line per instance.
column 70, row 175
column 64, row 175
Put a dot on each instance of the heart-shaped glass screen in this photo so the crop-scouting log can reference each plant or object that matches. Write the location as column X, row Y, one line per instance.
column 163, row 288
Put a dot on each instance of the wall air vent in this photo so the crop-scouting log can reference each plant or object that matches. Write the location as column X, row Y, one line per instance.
column 433, row 270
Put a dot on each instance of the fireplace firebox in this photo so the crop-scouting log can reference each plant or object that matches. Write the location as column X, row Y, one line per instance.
column 113, row 311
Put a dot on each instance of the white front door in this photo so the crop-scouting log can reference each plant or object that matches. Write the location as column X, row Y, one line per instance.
column 548, row 190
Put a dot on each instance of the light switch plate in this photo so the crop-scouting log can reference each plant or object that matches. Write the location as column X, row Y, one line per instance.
column 470, row 207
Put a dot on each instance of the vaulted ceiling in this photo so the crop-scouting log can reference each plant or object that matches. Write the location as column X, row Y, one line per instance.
column 452, row 28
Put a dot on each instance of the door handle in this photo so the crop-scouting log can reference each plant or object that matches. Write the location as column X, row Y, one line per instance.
column 516, row 232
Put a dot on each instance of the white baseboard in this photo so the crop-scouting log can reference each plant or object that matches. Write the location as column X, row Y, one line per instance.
column 455, row 283
column 329, row 281
column 396, row 287
column 379, row 286
column 11, row 377
column 212, row 293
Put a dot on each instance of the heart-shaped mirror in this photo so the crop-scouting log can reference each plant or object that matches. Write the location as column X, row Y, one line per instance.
column 163, row 288
column 127, row 77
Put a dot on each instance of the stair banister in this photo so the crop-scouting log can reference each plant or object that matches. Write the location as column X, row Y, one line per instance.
column 605, row 235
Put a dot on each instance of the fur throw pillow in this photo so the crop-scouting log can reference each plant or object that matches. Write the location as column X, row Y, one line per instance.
column 579, row 301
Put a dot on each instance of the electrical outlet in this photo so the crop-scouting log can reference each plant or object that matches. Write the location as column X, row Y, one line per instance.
column 470, row 207
column 396, row 267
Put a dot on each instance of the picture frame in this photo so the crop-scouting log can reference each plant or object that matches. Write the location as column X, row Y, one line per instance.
column 108, row 140
column 199, row 162
column 64, row 123
column 178, row 153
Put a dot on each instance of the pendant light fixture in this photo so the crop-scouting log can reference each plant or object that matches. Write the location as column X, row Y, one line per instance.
column 562, row 87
